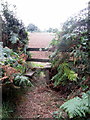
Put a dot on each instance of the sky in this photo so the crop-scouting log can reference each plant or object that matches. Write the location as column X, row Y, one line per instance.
column 47, row 13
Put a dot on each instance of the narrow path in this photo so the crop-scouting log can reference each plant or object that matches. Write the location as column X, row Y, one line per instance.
column 41, row 101
column 40, row 40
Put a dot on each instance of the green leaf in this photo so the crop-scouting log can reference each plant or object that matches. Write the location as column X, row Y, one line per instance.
column 77, row 106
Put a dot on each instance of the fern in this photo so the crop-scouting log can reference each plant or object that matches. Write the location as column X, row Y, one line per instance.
column 21, row 80
column 77, row 106
column 64, row 74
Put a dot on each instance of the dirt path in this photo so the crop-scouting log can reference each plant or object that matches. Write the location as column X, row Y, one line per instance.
column 40, row 102
column 40, row 40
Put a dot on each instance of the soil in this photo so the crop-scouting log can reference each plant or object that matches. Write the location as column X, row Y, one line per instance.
column 39, row 101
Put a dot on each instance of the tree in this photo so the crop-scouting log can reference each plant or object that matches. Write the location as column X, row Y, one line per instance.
column 50, row 30
column 32, row 28
column 54, row 30
column 1, row 28
column 14, row 34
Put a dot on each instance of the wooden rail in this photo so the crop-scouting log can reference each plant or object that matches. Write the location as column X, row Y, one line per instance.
column 37, row 49
column 38, row 60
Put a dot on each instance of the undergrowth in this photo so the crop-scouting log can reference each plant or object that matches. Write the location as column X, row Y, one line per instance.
column 13, row 56
column 71, row 67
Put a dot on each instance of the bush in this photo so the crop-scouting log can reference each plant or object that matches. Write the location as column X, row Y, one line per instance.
column 73, row 47
column 64, row 74
column 14, row 34
column 12, row 63
column 70, row 61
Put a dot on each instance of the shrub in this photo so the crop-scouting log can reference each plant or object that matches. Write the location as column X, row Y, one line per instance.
column 14, row 34
column 64, row 74
column 21, row 80
column 71, row 59
column 11, row 64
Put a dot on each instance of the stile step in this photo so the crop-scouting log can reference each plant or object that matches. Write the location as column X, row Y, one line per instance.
column 30, row 74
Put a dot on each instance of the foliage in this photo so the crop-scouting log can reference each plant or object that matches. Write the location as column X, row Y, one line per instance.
column 13, row 57
column 14, row 34
column 71, row 59
column 32, row 28
column 54, row 30
column 21, row 80
column 11, row 64
column 74, row 39
column 77, row 106
column 64, row 74
column 14, row 39
column 54, row 42
column 73, row 46
column 6, row 110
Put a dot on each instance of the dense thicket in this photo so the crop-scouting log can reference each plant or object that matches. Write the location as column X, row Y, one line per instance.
column 71, row 63
column 14, row 34
column 13, row 53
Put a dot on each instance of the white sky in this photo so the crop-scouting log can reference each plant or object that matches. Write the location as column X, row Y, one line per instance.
column 47, row 13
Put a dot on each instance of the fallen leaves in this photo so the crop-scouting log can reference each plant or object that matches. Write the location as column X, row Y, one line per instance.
column 9, row 71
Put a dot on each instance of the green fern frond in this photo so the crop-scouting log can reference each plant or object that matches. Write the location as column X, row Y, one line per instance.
column 64, row 73
column 77, row 106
